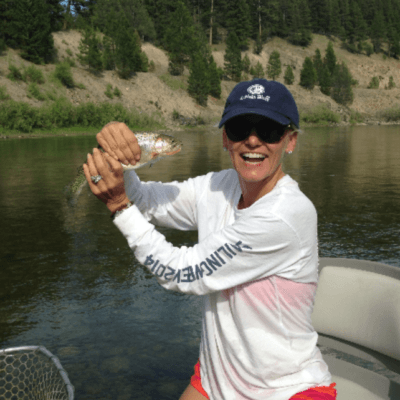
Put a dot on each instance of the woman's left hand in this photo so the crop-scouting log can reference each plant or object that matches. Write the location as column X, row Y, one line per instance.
column 110, row 189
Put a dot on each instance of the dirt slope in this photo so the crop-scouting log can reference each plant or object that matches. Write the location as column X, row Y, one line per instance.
column 148, row 93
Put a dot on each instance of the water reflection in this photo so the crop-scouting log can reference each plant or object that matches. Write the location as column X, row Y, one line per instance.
column 71, row 283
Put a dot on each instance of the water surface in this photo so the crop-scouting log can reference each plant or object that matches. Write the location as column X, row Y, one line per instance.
column 70, row 282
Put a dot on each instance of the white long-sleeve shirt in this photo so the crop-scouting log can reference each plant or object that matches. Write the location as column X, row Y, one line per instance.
column 258, row 268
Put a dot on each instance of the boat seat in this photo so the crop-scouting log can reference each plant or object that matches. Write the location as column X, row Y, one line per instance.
column 357, row 317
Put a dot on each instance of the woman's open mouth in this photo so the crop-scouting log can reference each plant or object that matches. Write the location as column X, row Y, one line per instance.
column 253, row 158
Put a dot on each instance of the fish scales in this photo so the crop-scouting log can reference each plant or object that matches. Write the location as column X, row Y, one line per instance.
column 153, row 148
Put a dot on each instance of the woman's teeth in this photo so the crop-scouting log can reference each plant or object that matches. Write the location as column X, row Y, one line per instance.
column 253, row 157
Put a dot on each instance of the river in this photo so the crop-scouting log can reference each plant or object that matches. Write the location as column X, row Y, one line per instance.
column 70, row 282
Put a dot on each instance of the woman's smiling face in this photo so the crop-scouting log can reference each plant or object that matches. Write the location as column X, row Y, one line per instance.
column 256, row 160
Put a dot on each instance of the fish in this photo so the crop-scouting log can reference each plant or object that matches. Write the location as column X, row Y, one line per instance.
column 153, row 146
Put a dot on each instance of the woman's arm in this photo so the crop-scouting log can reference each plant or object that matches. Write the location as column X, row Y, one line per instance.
column 171, row 204
column 254, row 246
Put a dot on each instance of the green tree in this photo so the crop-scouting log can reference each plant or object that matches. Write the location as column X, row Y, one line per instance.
column 257, row 71
column 106, row 17
column 289, row 76
column 308, row 75
column 318, row 64
column 198, row 82
column 89, row 50
column 378, row 32
column 357, row 26
column 108, row 55
column 246, row 64
column 258, row 46
column 180, row 39
column 330, row 58
column 238, row 20
column 214, row 77
column 127, row 50
column 30, row 30
column 232, row 57
column 274, row 68
column 342, row 91
column 325, row 80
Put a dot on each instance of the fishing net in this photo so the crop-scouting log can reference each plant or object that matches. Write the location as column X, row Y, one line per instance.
column 32, row 373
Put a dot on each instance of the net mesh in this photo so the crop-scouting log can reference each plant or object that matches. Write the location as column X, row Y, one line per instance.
column 32, row 373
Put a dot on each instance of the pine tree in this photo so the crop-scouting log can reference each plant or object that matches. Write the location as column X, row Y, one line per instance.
column 127, row 50
column 330, row 58
column 56, row 11
column 179, row 39
column 308, row 76
column 325, row 80
column 342, row 91
column 289, row 76
column 257, row 71
column 378, row 32
column 274, row 65
column 108, row 53
column 214, row 77
column 318, row 64
column 198, row 82
column 89, row 50
column 357, row 26
column 30, row 30
column 232, row 57
column 258, row 46
column 238, row 20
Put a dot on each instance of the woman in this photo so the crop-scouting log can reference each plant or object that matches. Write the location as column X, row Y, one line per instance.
column 257, row 256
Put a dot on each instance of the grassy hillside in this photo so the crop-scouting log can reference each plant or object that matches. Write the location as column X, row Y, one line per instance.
column 156, row 98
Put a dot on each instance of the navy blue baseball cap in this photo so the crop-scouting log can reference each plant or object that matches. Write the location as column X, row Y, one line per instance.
column 270, row 99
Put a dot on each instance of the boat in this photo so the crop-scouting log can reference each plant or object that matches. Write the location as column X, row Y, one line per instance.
column 357, row 317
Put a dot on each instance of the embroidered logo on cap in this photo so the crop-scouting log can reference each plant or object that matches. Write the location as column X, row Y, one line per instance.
column 255, row 93
column 256, row 89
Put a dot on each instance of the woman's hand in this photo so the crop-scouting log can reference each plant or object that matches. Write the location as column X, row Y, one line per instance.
column 110, row 189
column 120, row 142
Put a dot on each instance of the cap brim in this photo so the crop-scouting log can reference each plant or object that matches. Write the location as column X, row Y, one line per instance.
column 265, row 113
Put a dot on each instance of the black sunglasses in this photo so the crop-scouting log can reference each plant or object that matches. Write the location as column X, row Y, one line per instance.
column 240, row 128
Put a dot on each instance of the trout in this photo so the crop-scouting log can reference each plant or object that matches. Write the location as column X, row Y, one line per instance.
column 153, row 147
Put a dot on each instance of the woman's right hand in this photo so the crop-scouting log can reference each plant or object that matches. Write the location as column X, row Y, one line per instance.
column 119, row 142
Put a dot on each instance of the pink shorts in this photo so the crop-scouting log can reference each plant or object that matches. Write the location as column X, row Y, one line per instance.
column 315, row 393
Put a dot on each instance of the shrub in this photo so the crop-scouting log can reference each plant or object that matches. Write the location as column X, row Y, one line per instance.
column 117, row 92
column 374, row 83
column 70, row 61
column 152, row 66
column 23, row 117
column 391, row 83
column 15, row 74
column 369, row 49
column 3, row 93
column 356, row 117
column 69, row 52
column 391, row 114
column 33, row 91
column 33, row 74
column 320, row 114
column 64, row 75
column 109, row 92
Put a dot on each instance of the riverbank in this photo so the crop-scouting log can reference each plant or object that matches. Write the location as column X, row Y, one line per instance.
column 158, row 96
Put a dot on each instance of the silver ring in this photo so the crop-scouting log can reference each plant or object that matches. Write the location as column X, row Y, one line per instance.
column 96, row 179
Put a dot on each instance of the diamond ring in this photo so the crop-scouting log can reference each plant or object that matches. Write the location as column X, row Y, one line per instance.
column 96, row 178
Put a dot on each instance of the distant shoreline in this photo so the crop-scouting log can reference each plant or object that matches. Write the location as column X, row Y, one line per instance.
column 92, row 131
